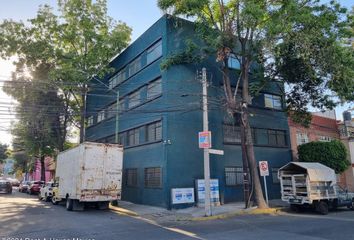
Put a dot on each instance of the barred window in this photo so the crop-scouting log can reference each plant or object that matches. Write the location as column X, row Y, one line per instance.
column 153, row 177
column 132, row 177
column 133, row 137
column 233, row 176
column 121, row 105
column 154, row 52
column 275, row 175
column 116, row 79
column 154, row 132
column 154, row 89
column 232, row 134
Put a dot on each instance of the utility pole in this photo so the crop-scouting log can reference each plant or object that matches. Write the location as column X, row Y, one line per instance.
column 206, row 150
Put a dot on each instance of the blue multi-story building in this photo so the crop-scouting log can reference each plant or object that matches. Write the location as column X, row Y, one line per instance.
column 160, row 116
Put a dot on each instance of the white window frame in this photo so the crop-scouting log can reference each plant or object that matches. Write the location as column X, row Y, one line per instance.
column 301, row 138
column 90, row 121
column 101, row 116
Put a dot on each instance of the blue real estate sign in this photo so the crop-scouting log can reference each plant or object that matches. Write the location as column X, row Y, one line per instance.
column 182, row 195
column 214, row 191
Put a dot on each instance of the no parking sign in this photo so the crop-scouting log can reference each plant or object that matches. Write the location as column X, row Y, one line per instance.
column 263, row 168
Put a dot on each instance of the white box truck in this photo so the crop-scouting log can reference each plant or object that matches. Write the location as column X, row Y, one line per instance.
column 90, row 172
column 312, row 185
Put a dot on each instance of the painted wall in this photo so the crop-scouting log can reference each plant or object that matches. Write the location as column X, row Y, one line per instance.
column 179, row 109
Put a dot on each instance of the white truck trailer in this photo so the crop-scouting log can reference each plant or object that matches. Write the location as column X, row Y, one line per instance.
column 90, row 172
column 312, row 185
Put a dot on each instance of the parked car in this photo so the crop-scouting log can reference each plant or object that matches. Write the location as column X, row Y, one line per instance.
column 5, row 186
column 55, row 197
column 14, row 182
column 35, row 187
column 46, row 192
column 23, row 186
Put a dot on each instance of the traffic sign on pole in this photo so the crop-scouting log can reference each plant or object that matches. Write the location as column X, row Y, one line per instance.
column 264, row 171
column 263, row 168
column 204, row 139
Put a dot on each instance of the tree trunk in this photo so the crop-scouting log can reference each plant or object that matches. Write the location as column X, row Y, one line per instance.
column 42, row 158
column 248, row 143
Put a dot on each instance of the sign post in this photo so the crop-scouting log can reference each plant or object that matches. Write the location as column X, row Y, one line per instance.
column 264, row 171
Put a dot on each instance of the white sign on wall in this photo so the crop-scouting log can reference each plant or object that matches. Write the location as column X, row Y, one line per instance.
column 214, row 190
column 182, row 195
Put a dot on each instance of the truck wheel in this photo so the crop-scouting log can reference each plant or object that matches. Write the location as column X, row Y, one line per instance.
column 322, row 207
column 46, row 198
column 352, row 206
column 69, row 204
column 54, row 201
column 295, row 208
column 103, row 205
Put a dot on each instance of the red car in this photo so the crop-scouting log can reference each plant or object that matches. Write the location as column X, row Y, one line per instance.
column 35, row 187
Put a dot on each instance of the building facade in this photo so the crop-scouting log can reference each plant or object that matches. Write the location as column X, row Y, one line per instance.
column 346, row 130
column 323, row 127
column 160, row 116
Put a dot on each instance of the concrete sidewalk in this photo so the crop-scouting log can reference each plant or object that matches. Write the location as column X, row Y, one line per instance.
column 161, row 215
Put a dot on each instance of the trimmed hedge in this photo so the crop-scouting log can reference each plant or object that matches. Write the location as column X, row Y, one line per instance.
column 332, row 154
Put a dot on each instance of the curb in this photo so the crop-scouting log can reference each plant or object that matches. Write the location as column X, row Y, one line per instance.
column 255, row 211
column 123, row 211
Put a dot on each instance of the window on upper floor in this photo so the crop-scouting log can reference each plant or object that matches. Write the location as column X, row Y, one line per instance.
column 232, row 134
column 233, row 62
column 325, row 138
column 134, row 66
column 301, row 138
column 134, row 99
column 154, row 132
column 101, row 116
column 133, row 137
column 122, row 138
column 111, row 110
column 269, row 137
column 154, row 89
column 122, row 105
column 117, row 79
column 90, row 121
column 154, row 52
column 272, row 101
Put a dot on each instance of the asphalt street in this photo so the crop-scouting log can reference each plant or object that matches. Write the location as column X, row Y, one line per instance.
column 24, row 216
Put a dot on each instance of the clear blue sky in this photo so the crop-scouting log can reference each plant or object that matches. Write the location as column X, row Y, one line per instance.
column 138, row 14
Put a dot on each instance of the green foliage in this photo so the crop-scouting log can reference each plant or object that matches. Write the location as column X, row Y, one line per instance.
column 73, row 46
column 332, row 154
column 3, row 152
